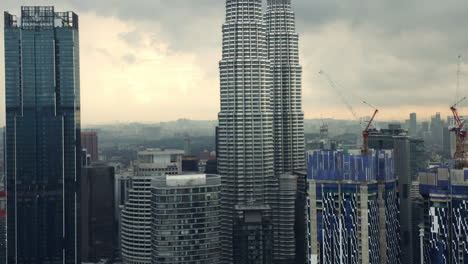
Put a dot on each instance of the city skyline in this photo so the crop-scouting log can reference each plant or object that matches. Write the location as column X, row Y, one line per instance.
column 127, row 45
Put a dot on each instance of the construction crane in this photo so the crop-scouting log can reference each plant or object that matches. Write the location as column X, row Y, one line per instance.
column 367, row 130
column 460, row 134
column 340, row 94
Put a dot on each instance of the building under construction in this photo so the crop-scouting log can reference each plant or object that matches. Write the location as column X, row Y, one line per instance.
column 353, row 208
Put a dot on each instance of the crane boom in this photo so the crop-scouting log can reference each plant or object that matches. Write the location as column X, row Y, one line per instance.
column 367, row 130
column 340, row 94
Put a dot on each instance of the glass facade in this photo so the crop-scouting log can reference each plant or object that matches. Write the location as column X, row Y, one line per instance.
column 186, row 219
column 42, row 135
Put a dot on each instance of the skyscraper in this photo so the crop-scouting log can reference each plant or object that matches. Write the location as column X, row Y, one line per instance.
column 260, row 134
column 42, row 87
column 288, row 121
column 413, row 125
column 353, row 208
column 245, row 141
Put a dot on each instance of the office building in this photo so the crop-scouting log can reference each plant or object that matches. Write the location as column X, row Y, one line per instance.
column 186, row 219
column 98, row 224
column 418, row 157
column 89, row 141
column 444, row 193
column 353, row 208
column 245, row 132
column 166, row 161
column 136, row 218
column 260, row 135
column 42, row 90
column 396, row 139
column 413, row 125
column 288, row 121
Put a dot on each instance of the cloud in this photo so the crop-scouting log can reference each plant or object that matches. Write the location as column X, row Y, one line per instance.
column 153, row 60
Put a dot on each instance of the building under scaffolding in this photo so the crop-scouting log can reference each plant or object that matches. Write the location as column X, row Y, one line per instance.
column 353, row 208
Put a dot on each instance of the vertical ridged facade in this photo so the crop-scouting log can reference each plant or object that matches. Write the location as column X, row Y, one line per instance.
column 261, row 134
column 245, row 160
column 42, row 94
column 288, row 120
column 283, row 52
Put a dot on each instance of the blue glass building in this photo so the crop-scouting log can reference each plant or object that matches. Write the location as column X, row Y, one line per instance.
column 353, row 208
column 42, row 135
column 445, row 218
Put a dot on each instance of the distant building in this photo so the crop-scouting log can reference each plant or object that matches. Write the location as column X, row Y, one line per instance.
column 98, row 224
column 418, row 157
column 211, row 166
column 353, row 208
column 186, row 219
column 187, row 145
column 166, row 161
column 445, row 201
column 89, row 141
column 413, row 125
column 190, row 164
column 136, row 219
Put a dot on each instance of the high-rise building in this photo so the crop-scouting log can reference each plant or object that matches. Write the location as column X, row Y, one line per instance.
column 186, row 219
column 245, row 133
column 396, row 139
column 353, row 208
column 260, row 133
column 89, row 141
column 98, row 224
column 42, row 87
column 413, row 125
column 288, row 122
column 136, row 219
column 445, row 211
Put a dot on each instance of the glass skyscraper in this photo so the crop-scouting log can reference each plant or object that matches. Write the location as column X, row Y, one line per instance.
column 42, row 90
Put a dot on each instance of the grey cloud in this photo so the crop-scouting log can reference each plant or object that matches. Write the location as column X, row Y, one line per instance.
column 425, row 35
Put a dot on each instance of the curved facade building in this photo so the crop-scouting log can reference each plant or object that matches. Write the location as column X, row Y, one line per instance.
column 186, row 214
column 136, row 219
column 136, row 222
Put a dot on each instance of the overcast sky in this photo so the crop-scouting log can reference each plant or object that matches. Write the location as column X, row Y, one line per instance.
column 157, row 60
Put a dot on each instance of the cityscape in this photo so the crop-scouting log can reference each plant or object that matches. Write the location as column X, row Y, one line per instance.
column 268, row 177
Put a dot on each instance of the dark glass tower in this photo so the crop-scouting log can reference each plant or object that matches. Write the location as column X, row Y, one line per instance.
column 42, row 135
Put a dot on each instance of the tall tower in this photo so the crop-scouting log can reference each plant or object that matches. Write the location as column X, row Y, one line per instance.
column 283, row 52
column 42, row 87
column 245, row 160
column 288, row 121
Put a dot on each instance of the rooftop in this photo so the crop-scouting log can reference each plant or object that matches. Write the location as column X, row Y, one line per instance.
column 41, row 17
column 185, row 180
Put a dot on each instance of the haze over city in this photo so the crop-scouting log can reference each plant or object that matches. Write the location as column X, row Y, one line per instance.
column 152, row 61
